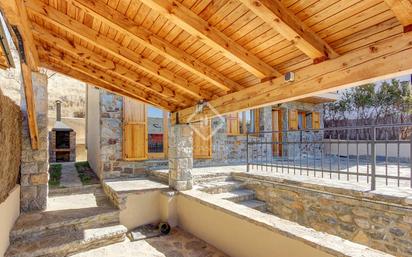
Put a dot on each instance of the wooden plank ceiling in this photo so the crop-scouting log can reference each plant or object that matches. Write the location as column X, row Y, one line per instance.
column 172, row 54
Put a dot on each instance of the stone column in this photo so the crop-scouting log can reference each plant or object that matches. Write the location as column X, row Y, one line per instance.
column 266, row 125
column 35, row 163
column 180, row 157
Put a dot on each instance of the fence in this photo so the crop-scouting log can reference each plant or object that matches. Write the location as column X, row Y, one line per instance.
column 378, row 154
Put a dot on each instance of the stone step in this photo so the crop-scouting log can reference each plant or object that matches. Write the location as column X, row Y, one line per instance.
column 239, row 195
column 31, row 225
column 254, row 204
column 221, row 187
column 63, row 243
column 75, row 190
column 207, row 179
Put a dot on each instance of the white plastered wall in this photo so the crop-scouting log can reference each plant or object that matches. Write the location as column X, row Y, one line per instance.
column 9, row 212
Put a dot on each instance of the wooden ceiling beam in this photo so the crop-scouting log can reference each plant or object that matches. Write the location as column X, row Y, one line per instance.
column 30, row 105
column 361, row 66
column 109, row 66
column 16, row 16
column 125, row 54
column 67, row 71
column 196, row 26
column 123, row 24
column 291, row 28
column 403, row 12
column 105, row 78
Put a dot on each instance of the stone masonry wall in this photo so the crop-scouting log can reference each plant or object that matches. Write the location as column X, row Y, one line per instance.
column 226, row 150
column 382, row 225
column 231, row 150
column 111, row 134
column 293, row 151
column 34, row 163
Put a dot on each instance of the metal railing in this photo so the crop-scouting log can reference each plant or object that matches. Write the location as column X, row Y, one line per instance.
column 377, row 155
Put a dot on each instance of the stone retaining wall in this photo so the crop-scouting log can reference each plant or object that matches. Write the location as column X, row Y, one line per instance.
column 383, row 224
column 10, row 138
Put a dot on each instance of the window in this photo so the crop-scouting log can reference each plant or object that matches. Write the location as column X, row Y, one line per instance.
column 299, row 120
column 144, row 131
column 157, row 132
column 243, row 122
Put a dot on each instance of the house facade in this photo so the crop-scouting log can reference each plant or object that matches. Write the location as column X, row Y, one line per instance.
column 132, row 137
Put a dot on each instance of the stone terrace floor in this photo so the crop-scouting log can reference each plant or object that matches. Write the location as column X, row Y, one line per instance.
column 295, row 172
column 177, row 244
column 308, row 176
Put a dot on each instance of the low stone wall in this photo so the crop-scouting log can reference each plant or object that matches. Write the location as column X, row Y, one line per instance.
column 241, row 231
column 381, row 222
column 10, row 138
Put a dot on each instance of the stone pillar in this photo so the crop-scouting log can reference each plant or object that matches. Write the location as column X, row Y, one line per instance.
column 111, row 134
column 265, row 124
column 180, row 157
column 35, row 163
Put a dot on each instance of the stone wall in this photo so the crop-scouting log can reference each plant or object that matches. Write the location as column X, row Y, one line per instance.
column 10, row 138
column 34, row 163
column 367, row 218
column 231, row 150
column 226, row 149
column 293, row 151
column 111, row 133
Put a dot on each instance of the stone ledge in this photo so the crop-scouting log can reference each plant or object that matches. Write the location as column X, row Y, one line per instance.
column 328, row 243
column 391, row 196
column 119, row 189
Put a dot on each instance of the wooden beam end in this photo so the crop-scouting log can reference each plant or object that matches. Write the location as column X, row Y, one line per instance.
column 407, row 28
column 320, row 59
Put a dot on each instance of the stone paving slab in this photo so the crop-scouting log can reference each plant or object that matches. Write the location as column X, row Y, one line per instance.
column 70, row 177
column 121, row 186
column 178, row 244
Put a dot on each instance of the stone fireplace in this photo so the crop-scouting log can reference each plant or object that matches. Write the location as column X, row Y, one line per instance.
column 62, row 140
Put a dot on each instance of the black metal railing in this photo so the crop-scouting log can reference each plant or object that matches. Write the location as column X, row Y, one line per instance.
column 378, row 154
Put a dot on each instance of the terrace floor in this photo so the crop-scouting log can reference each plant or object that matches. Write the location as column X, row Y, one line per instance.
column 306, row 174
column 177, row 244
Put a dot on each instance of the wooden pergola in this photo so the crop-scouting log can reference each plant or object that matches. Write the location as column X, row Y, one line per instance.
column 232, row 54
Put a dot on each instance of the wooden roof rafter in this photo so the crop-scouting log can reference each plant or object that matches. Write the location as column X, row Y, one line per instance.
column 103, row 77
column 155, row 43
column 68, row 71
column 89, row 57
column 291, row 28
column 16, row 16
column 403, row 12
column 359, row 67
column 192, row 23
column 96, row 39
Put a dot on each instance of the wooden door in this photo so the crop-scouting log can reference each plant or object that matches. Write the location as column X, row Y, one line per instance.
column 277, row 125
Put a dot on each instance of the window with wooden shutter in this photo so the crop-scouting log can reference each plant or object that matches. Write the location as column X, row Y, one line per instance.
column 232, row 124
column 293, row 120
column 315, row 120
column 202, row 140
column 135, row 144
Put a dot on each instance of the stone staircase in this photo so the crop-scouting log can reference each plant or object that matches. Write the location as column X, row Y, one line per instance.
column 74, row 222
column 234, row 191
